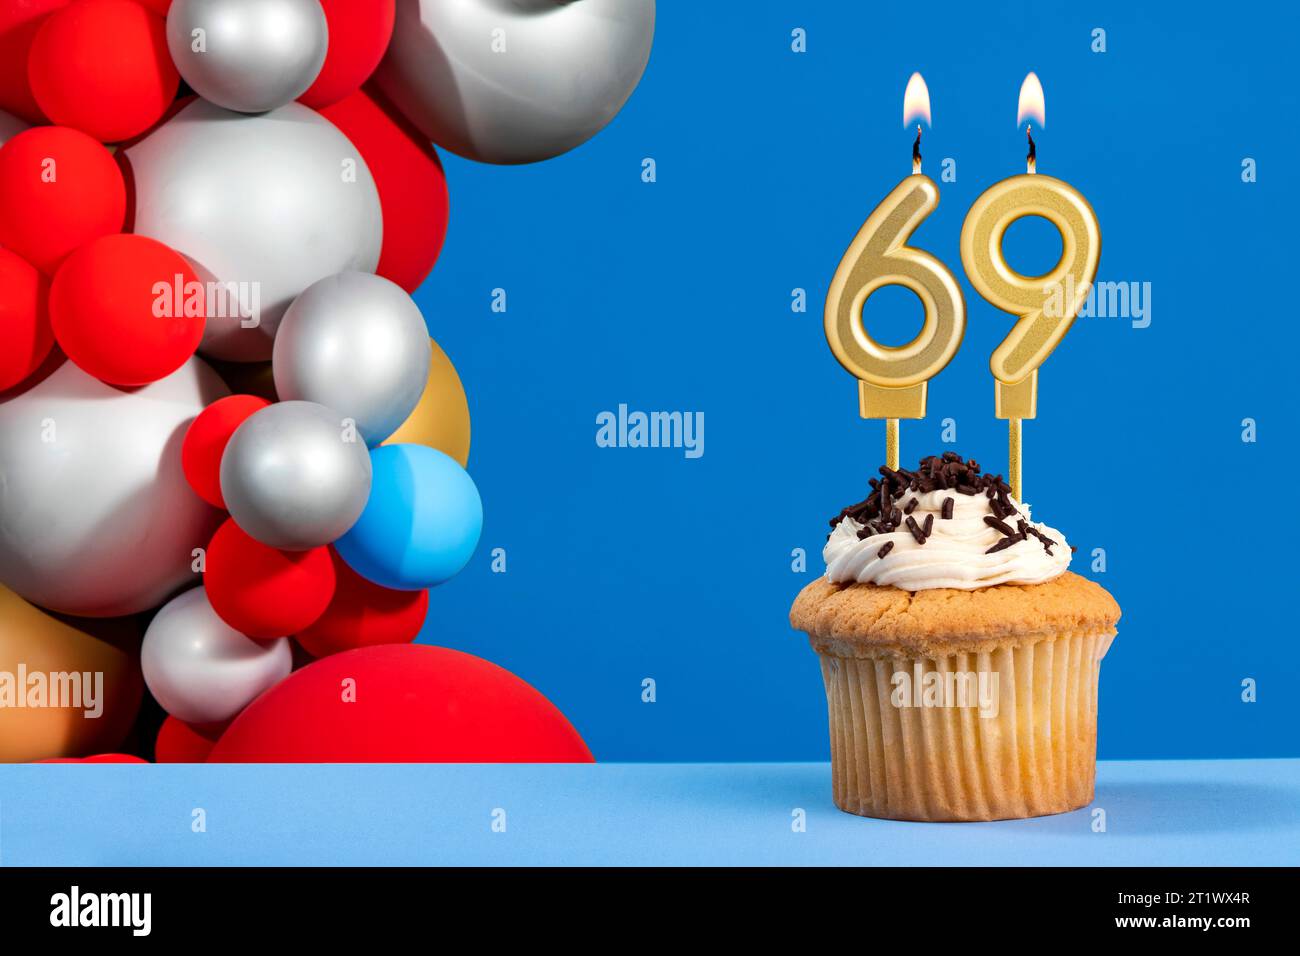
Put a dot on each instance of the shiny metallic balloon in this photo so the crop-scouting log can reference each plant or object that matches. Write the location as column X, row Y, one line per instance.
column 263, row 206
column 248, row 55
column 96, row 517
column 295, row 475
column 200, row 669
column 516, row 82
column 10, row 126
column 355, row 343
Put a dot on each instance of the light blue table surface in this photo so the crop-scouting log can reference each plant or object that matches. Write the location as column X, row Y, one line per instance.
column 1228, row 812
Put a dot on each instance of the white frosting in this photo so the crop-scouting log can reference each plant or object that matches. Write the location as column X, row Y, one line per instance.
column 954, row 556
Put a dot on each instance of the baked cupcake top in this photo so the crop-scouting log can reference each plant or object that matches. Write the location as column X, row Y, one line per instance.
column 866, row 620
column 944, row 525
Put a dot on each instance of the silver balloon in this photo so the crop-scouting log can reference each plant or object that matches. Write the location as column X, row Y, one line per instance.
column 515, row 82
column 248, row 55
column 200, row 669
column 263, row 206
column 295, row 475
column 355, row 343
column 10, row 126
column 96, row 517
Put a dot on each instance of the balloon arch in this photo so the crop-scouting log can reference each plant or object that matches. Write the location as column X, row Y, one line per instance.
column 234, row 461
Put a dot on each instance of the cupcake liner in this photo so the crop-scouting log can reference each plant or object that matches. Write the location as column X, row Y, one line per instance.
column 932, row 748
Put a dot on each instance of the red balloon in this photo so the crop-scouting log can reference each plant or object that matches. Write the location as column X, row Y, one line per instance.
column 97, row 758
column 412, row 189
column 262, row 592
column 205, row 443
column 25, row 336
column 102, row 66
column 58, row 189
column 401, row 703
column 178, row 742
column 127, row 309
column 359, row 34
column 363, row 614
column 19, row 21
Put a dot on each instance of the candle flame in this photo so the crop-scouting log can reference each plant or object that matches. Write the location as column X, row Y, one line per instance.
column 916, row 101
column 1033, row 105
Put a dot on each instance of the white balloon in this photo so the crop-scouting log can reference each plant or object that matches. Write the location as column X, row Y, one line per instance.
column 96, row 517
column 515, row 82
column 10, row 126
column 200, row 669
column 264, row 205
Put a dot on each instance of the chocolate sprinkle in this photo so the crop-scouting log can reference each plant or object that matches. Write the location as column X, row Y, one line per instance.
column 1005, row 543
column 878, row 513
column 885, row 549
column 1047, row 542
column 915, row 528
column 998, row 525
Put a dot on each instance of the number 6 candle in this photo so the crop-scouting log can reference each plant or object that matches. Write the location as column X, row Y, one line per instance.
column 892, row 380
column 1046, row 304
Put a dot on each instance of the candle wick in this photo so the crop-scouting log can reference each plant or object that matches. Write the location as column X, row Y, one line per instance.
column 916, row 151
column 1031, row 161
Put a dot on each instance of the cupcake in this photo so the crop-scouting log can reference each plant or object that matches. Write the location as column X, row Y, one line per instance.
column 960, row 655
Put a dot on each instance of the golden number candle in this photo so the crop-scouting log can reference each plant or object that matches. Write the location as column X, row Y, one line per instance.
column 1046, row 304
column 892, row 379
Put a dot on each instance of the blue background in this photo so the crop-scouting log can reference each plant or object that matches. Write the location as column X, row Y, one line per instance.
column 675, row 295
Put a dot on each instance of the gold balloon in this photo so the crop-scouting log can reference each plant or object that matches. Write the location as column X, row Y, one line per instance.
column 38, row 642
column 441, row 419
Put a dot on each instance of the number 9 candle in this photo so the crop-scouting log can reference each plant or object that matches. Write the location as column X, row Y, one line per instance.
column 892, row 380
column 1046, row 304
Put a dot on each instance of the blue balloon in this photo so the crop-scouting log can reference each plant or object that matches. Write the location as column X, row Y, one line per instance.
column 421, row 523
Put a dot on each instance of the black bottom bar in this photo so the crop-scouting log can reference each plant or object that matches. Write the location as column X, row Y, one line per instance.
column 325, row 906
